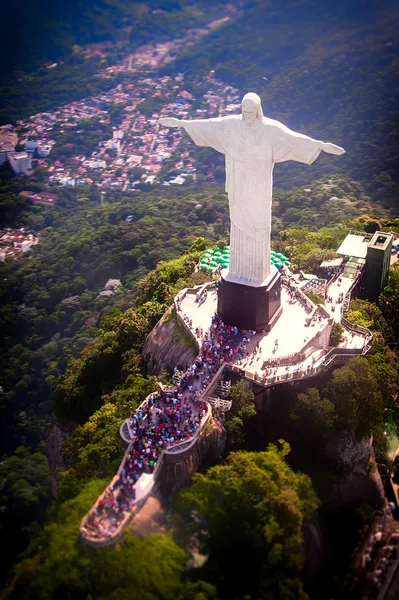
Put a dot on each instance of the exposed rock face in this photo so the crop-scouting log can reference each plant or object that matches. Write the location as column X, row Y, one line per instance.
column 363, row 482
column 354, row 454
column 167, row 346
column 177, row 469
column 314, row 546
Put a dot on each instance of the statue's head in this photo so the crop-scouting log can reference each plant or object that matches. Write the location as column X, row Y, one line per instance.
column 251, row 108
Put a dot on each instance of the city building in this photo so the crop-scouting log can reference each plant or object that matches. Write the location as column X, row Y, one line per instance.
column 377, row 264
column 21, row 162
column 370, row 253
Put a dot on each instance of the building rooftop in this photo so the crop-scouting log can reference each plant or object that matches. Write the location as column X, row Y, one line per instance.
column 355, row 244
column 380, row 240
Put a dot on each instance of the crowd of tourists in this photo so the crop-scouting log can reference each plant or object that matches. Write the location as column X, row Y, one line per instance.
column 162, row 421
column 222, row 344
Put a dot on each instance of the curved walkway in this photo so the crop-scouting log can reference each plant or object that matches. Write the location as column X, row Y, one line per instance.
column 165, row 422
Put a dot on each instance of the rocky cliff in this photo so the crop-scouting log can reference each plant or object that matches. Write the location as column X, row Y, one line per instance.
column 362, row 483
column 168, row 345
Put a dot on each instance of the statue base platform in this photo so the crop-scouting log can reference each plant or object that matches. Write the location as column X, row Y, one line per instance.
column 247, row 307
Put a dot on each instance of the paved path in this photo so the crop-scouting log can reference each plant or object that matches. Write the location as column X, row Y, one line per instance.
column 335, row 289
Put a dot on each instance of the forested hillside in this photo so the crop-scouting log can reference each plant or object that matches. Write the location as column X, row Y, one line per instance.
column 47, row 31
column 45, row 68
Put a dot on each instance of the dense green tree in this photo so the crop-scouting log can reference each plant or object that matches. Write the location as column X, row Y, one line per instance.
column 315, row 411
column 367, row 314
column 315, row 298
column 59, row 565
column 80, row 390
column 311, row 261
column 336, row 334
column 25, row 484
column 247, row 516
column 351, row 401
column 242, row 407
column 388, row 302
column 382, row 356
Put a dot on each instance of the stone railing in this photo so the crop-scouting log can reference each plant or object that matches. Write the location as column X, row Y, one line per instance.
column 95, row 538
column 187, row 329
column 342, row 354
column 324, row 312
column 332, row 279
column 219, row 403
column 204, row 288
column 318, row 340
column 282, row 361
column 357, row 328
column 124, row 432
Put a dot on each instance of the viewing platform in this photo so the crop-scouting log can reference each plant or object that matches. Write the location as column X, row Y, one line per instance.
column 170, row 421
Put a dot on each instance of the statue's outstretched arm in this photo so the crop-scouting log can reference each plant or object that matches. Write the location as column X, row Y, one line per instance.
column 331, row 148
column 203, row 132
column 171, row 122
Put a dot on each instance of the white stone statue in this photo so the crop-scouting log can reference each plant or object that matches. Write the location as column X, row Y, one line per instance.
column 252, row 144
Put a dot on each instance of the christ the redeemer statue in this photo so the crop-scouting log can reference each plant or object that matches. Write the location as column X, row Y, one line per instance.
column 252, row 144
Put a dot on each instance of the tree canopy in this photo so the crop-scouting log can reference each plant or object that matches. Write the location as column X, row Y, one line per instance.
column 247, row 516
column 59, row 565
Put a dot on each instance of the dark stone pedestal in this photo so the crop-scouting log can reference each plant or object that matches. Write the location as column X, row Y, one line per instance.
column 247, row 307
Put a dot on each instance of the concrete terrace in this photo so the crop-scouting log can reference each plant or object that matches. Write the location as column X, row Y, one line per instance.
column 304, row 345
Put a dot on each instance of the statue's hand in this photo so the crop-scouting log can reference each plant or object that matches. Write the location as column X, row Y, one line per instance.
column 169, row 122
column 332, row 148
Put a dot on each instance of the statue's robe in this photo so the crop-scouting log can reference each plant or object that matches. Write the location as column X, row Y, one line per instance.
column 250, row 157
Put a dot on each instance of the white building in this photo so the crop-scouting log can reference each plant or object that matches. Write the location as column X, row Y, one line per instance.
column 27, row 245
column 21, row 162
column 31, row 145
column 97, row 164
column 67, row 181
column 43, row 150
